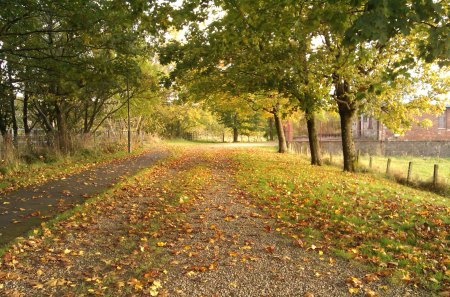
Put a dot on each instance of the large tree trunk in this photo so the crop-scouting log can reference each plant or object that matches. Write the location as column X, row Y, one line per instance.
column 347, row 110
column 235, row 134
column 282, row 147
column 314, row 145
column 348, row 146
column 271, row 129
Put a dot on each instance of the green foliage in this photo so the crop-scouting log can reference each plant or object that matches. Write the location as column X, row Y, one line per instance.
column 74, row 59
column 384, row 20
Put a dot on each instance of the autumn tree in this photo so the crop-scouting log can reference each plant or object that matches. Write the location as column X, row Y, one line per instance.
column 364, row 73
column 70, row 57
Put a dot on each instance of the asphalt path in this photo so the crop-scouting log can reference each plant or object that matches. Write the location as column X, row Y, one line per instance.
column 24, row 209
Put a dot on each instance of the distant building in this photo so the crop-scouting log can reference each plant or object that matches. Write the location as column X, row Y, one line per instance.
column 440, row 130
column 368, row 128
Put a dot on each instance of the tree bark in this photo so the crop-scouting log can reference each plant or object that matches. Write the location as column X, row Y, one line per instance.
column 348, row 146
column 12, row 105
column 314, row 144
column 282, row 147
column 235, row 134
column 63, row 137
column 235, row 128
column 26, row 126
column 271, row 129
column 85, row 120
column 347, row 110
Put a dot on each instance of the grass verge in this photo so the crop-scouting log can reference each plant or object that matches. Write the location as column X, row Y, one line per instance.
column 21, row 174
column 398, row 231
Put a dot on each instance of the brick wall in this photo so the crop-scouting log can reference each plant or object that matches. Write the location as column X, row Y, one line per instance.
column 429, row 133
column 370, row 129
column 432, row 148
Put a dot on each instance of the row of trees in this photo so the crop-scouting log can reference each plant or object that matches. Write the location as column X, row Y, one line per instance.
column 377, row 57
column 67, row 65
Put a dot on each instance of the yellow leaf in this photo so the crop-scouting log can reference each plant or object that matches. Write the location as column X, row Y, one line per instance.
column 157, row 284
column 161, row 244
column 36, row 286
column 353, row 290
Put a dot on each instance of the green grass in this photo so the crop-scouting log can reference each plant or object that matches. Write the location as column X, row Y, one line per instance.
column 21, row 174
column 372, row 219
column 422, row 169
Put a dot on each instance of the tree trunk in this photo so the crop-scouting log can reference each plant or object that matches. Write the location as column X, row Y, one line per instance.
column 85, row 119
column 63, row 137
column 12, row 105
column 26, row 126
column 348, row 146
column 235, row 134
column 282, row 147
column 271, row 129
column 314, row 145
column 347, row 110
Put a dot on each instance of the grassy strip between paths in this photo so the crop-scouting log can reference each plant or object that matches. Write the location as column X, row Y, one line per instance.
column 111, row 245
column 42, row 171
column 399, row 232
column 79, row 207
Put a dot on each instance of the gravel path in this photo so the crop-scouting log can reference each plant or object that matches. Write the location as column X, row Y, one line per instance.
column 231, row 249
column 139, row 241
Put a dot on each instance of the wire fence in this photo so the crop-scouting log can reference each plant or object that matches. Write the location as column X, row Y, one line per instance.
column 14, row 147
column 222, row 137
column 407, row 169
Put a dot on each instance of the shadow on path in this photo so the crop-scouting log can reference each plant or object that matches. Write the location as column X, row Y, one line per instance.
column 26, row 208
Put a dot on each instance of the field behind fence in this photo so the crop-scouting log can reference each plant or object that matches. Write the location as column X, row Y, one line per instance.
column 409, row 169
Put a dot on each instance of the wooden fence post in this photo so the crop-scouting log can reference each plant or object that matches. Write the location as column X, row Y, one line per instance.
column 331, row 158
column 408, row 178
column 388, row 166
column 358, row 155
column 435, row 175
column 370, row 162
